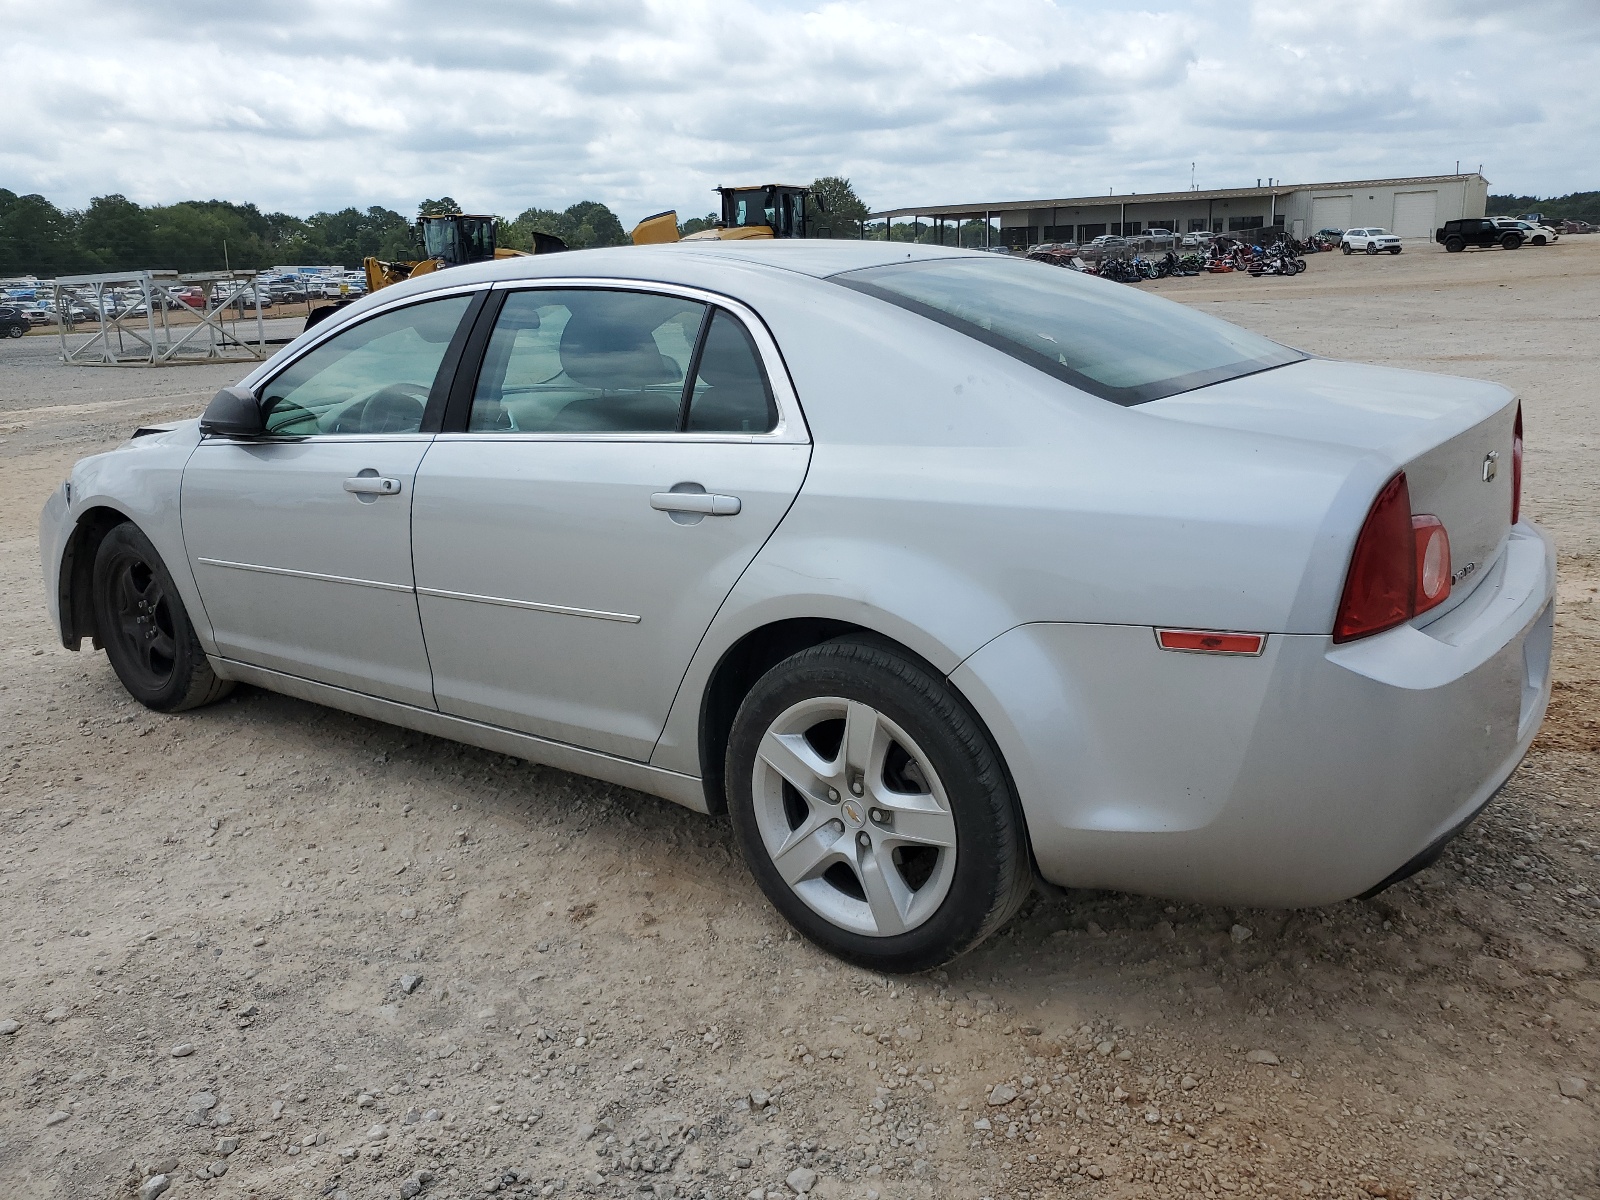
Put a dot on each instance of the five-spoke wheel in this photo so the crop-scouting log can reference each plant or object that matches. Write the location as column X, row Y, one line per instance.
column 872, row 807
column 854, row 816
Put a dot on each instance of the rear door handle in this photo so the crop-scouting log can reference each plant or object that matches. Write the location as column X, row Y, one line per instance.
column 705, row 503
column 372, row 485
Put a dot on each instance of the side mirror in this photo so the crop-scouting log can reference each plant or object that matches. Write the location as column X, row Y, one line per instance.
column 234, row 412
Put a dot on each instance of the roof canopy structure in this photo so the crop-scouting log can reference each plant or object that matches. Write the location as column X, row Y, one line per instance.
column 979, row 212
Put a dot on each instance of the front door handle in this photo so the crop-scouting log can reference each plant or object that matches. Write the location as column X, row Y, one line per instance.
column 372, row 485
column 704, row 503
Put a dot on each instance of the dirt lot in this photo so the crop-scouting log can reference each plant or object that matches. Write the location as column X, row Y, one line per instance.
column 370, row 963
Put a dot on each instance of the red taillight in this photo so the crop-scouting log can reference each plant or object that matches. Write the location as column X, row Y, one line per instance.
column 1433, row 561
column 1380, row 590
column 1516, row 467
column 1401, row 566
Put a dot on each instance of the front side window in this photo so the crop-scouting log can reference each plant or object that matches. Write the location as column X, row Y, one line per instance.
column 596, row 361
column 1103, row 338
column 372, row 378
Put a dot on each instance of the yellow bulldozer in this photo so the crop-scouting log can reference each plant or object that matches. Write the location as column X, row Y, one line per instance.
column 446, row 240
column 767, row 210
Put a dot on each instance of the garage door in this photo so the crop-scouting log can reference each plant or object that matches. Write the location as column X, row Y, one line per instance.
column 1330, row 212
column 1414, row 213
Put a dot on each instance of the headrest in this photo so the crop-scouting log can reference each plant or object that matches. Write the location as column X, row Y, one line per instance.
column 602, row 349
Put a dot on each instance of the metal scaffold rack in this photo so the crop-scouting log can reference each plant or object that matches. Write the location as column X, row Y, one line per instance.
column 144, row 334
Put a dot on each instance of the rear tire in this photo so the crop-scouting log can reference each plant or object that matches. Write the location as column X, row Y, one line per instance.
column 901, row 845
column 1347, row 248
column 147, row 634
column 15, row 331
column 1512, row 241
column 1455, row 245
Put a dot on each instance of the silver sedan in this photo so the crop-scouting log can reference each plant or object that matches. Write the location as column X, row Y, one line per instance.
column 937, row 573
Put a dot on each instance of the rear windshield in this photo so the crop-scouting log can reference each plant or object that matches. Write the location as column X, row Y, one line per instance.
column 1107, row 339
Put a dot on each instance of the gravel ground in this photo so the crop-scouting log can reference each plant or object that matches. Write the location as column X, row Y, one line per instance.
column 268, row 950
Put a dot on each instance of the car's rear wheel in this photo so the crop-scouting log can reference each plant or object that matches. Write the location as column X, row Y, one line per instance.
column 872, row 808
column 15, row 331
column 1511, row 241
column 147, row 634
column 1455, row 245
column 1347, row 248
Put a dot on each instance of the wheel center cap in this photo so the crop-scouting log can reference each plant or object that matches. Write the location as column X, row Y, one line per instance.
column 855, row 812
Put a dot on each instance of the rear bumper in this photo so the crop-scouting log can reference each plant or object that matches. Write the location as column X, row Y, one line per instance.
column 1309, row 775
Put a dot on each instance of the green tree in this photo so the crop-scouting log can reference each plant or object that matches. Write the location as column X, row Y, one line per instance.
column 36, row 237
column 443, row 206
column 698, row 224
column 833, row 210
column 582, row 225
column 117, row 234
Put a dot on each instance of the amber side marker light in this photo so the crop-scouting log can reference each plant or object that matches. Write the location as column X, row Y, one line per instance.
column 1208, row 641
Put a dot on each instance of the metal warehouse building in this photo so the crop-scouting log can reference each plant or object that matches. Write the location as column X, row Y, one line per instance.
column 1411, row 208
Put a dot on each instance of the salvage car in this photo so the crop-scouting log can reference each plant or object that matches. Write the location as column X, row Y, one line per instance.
column 938, row 573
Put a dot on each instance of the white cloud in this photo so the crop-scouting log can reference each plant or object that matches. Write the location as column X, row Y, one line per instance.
column 644, row 104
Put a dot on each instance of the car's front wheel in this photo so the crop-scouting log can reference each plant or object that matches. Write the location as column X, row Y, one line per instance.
column 1511, row 241
column 147, row 634
column 872, row 808
column 1372, row 247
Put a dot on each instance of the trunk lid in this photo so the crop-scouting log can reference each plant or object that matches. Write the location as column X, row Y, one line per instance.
column 1451, row 436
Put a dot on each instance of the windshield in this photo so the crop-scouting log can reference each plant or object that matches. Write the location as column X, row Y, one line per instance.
column 1104, row 338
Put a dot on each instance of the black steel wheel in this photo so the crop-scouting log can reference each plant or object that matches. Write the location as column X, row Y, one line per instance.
column 1455, row 245
column 146, row 632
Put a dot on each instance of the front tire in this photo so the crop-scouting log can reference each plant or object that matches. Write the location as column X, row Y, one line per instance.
column 872, row 808
column 147, row 634
column 1512, row 241
column 1372, row 247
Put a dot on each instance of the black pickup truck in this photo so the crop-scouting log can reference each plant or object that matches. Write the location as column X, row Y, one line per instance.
column 1456, row 236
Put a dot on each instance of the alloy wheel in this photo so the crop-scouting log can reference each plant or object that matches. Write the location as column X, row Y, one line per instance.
column 144, row 619
column 854, row 817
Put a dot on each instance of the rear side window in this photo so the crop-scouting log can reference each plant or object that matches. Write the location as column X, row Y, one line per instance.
column 599, row 361
column 1104, row 338
column 586, row 361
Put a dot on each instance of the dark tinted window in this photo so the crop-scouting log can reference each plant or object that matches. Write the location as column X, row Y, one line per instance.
column 586, row 361
column 374, row 377
column 731, row 392
column 1107, row 339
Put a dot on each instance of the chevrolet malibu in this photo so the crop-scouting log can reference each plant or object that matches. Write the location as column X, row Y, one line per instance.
column 937, row 573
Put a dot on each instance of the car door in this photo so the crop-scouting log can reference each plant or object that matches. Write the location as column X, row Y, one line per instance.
column 603, row 479
column 300, row 541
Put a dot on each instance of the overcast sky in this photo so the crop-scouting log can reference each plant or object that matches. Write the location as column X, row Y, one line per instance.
column 303, row 105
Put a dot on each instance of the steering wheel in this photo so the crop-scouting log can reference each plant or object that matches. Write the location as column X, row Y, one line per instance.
column 397, row 408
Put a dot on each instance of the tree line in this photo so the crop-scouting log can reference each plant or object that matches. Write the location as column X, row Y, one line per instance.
column 1575, row 206
column 114, row 233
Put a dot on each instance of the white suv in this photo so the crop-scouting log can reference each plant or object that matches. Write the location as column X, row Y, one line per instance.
column 1534, row 235
column 1370, row 240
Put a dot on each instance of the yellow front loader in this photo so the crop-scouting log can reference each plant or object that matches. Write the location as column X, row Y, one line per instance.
column 448, row 240
column 768, row 210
